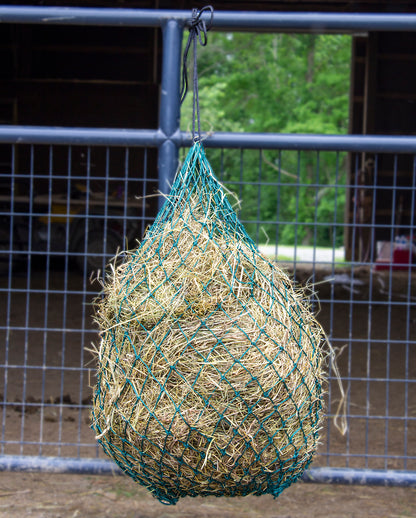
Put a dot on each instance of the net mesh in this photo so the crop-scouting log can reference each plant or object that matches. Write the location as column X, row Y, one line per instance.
column 210, row 364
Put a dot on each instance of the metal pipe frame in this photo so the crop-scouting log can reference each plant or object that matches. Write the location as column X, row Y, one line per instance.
column 80, row 136
column 369, row 143
column 387, row 478
column 169, row 111
column 224, row 20
column 168, row 138
column 156, row 138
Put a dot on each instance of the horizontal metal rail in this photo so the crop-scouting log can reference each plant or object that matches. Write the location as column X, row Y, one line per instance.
column 106, row 467
column 370, row 143
column 362, row 477
column 153, row 138
column 80, row 136
column 225, row 20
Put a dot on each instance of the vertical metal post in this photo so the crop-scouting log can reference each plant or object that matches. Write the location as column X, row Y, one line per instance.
column 169, row 114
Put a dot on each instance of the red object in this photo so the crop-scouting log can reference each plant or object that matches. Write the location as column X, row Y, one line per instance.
column 401, row 260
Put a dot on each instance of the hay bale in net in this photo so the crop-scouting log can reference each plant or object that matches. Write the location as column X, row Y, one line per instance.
column 210, row 366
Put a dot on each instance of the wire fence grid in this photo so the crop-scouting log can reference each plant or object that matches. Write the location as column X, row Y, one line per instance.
column 53, row 242
column 69, row 199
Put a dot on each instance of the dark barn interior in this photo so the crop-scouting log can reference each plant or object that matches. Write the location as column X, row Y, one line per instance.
column 110, row 77
column 382, row 102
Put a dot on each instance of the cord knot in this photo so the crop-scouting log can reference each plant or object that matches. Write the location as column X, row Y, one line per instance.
column 198, row 26
column 198, row 29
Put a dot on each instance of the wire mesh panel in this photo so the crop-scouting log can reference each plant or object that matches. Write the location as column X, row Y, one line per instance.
column 352, row 240
column 303, row 208
column 291, row 200
column 65, row 211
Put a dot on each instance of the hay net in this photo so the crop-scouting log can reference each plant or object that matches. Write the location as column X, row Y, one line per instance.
column 210, row 364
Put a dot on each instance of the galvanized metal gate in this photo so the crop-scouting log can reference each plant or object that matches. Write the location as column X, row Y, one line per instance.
column 45, row 314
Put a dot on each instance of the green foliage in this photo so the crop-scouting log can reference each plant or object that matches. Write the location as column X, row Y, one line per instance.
column 280, row 83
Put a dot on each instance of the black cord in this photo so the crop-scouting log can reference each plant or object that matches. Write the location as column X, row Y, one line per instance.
column 198, row 29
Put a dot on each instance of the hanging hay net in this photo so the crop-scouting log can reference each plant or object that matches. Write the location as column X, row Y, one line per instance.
column 210, row 366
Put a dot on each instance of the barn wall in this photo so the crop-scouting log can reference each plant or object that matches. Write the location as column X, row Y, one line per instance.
column 383, row 102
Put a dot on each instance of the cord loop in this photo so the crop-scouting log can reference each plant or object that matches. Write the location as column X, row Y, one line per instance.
column 198, row 29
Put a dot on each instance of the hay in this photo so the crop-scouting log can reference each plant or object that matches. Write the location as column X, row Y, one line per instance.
column 210, row 365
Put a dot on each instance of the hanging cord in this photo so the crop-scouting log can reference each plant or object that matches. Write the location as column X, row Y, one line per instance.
column 198, row 29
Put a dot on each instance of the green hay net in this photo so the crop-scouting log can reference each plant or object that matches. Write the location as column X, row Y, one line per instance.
column 210, row 364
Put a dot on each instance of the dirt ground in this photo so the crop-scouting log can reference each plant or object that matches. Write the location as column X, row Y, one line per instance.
column 48, row 391
column 68, row 496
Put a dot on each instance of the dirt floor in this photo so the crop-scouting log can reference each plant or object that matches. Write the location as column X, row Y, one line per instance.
column 70, row 496
column 49, row 376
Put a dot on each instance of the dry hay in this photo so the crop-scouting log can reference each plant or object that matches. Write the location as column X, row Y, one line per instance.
column 210, row 366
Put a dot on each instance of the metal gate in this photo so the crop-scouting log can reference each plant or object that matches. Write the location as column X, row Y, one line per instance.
column 49, row 243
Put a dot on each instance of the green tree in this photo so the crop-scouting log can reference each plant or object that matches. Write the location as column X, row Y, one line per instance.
column 286, row 83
